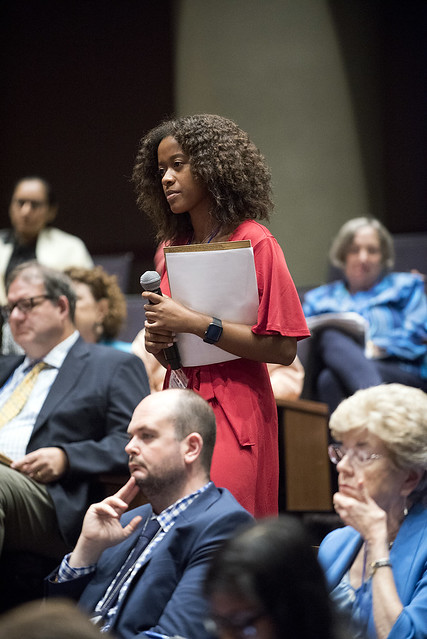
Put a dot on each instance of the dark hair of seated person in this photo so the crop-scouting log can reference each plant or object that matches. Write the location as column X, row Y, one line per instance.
column 270, row 567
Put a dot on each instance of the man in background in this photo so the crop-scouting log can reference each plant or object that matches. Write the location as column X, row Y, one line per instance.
column 72, row 423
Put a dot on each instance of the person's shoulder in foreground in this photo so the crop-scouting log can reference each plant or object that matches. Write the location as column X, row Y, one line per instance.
column 57, row 619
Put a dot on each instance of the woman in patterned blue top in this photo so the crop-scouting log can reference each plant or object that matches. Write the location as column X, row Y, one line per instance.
column 394, row 305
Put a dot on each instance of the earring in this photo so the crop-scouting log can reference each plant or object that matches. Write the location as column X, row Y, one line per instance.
column 405, row 509
column 98, row 329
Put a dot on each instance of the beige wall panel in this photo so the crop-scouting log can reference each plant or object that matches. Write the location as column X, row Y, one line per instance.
column 275, row 67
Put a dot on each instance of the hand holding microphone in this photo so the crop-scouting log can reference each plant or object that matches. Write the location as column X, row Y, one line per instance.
column 150, row 281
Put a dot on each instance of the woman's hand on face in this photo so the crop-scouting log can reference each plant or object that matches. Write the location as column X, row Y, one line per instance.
column 362, row 513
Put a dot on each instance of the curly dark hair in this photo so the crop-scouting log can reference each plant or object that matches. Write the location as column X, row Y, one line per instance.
column 103, row 285
column 221, row 156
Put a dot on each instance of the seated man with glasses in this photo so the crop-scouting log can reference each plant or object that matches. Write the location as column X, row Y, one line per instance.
column 376, row 565
column 64, row 410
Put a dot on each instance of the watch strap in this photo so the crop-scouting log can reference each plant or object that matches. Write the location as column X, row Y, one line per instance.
column 380, row 563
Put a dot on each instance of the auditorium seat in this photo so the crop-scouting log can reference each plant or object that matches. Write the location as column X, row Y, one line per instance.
column 410, row 252
column 135, row 318
column 305, row 469
column 119, row 264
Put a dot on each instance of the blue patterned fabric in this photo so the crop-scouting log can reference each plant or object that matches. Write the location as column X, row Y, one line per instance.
column 395, row 308
column 408, row 556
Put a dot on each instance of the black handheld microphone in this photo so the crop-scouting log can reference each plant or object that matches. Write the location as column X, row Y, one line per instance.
column 150, row 281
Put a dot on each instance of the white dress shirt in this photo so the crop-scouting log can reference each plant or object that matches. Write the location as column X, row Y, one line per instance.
column 15, row 435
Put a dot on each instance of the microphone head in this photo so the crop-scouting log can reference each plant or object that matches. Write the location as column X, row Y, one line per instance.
column 150, row 281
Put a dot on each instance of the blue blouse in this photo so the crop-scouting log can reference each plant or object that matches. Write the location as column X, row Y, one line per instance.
column 395, row 308
column 408, row 556
column 354, row 604
column 117, row 343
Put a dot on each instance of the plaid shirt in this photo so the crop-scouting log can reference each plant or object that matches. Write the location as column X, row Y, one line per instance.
column 166, row 519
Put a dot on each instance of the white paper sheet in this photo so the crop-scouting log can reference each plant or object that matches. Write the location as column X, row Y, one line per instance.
column 348, row 322
column 221, row 283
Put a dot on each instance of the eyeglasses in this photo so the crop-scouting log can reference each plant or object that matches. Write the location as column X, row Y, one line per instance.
column 24, row 305
column 35, row 204
column 243, row 628
column 360, row 457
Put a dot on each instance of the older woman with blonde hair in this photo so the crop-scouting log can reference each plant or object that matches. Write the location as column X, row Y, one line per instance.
column 394, row 306
column 376, row 566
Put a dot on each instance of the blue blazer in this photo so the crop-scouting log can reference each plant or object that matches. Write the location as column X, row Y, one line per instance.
column 86, row 413
column 408, row 556
column 167, row 595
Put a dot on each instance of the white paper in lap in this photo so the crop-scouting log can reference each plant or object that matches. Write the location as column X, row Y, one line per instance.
column 220, row 283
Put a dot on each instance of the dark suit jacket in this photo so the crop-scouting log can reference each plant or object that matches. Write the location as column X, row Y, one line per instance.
column 167, row 595
column 86, row 413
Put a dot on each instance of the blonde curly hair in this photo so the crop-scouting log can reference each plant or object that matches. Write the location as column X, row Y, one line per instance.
column 395, row 413
column 103, row 285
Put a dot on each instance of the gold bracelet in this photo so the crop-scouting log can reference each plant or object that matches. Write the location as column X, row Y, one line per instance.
column 379, row 564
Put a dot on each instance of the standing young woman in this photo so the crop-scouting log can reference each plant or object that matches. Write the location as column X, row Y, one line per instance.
column 201, row 179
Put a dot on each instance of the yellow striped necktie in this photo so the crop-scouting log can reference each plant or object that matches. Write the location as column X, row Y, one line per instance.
column 16, row 402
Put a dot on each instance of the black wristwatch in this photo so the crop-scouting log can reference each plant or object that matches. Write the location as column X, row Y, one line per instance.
column 213, row 331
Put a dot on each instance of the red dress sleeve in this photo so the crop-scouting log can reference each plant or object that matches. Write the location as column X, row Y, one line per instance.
column 280, row 309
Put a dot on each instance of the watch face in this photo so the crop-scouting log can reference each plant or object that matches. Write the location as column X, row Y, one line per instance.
column 213, row 333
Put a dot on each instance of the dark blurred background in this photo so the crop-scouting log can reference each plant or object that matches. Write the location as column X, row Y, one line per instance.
column 83, row 80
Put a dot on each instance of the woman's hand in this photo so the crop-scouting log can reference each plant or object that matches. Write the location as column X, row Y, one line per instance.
column 166, row 317
column 158, row 332
column 165, row 314
column 363, row 514
column 156, row 341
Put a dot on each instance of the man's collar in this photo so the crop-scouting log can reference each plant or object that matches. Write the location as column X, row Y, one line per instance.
column 55, row 357
column 168, row 516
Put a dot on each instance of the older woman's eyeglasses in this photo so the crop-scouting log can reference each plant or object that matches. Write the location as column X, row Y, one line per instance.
column 25, row 305
column 356, row 456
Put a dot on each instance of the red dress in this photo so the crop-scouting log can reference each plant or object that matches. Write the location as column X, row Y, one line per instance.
column 246, row 455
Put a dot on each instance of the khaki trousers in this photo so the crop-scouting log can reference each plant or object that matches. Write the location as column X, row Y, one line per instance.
column 27, row 516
